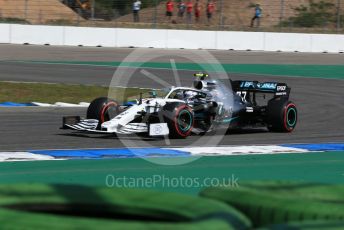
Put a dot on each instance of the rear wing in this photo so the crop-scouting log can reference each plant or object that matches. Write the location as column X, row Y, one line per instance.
column 279, row 89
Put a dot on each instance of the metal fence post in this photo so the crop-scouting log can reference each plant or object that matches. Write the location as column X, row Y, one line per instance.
column 155, row 13
column 282, row 12
column 25, row 9
column 40, row 17
column 78, row 14
column 93, row 4
column 338, row 16
column 221, row 14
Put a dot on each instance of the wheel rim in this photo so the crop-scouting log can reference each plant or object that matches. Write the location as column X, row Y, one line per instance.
column 184, row 120
column 291, row 117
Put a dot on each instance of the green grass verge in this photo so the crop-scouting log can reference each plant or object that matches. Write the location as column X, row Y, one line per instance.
column 311, row 167
column 36, row 206
column 14, row 20
column 51, row 93
column 268, row 203
column 314, row 71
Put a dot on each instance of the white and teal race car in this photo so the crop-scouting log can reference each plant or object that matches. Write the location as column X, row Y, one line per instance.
column 183, row 111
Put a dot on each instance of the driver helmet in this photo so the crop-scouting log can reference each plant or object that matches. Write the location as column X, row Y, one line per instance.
column 189, row 94
column 179, row 96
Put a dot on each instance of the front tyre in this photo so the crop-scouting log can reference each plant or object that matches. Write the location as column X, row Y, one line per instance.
column 282, row 116
column 102, row 109
column 179, row 118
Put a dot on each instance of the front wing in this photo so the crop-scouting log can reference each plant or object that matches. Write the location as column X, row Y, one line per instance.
column 91, row 125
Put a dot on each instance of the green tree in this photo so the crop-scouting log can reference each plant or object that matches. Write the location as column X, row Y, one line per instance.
column 316, row 14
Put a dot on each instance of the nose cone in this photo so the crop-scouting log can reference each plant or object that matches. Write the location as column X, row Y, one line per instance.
column 110, row 126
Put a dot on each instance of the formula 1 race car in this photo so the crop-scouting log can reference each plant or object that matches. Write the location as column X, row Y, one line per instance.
column 182, row 111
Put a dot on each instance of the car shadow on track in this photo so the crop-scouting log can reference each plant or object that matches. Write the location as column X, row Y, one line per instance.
column 108, row 136
column 145, row 138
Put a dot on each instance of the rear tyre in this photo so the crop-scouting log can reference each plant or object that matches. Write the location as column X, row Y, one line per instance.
column 179, row 118
column 282, row 116
column 102, row 109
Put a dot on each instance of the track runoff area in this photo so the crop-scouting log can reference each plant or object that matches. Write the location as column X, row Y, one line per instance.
column 313, row 154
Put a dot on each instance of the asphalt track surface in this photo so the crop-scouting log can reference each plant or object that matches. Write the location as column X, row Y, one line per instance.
column 320, row 105
column 65, row 53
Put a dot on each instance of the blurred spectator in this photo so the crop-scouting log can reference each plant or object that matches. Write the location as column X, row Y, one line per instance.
column 189, row 7
column 136, row 10
column 257, row 15
column 197, row 10
column 210, row 9
column 169, row 9
column 181, row 8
